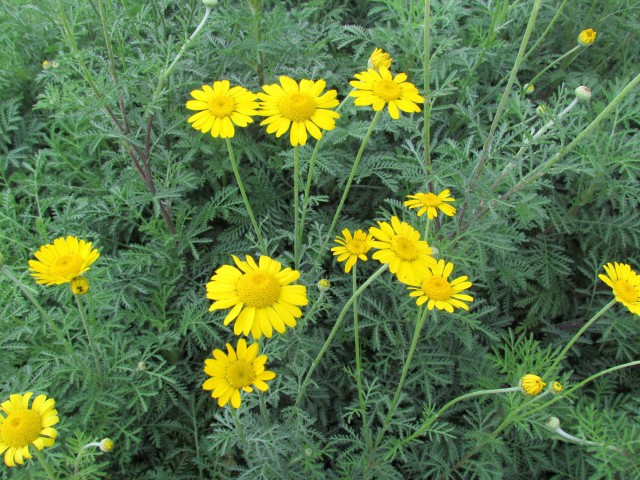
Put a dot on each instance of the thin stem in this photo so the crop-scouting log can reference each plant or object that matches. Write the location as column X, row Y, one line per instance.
column 374, row 121
column 334, row 330
column 47, row 468
column 555, row 62
column 584, row 328
column 425, row 426
column 38, row 307
column 405, row 370
column 546, row 31
column 486, row 148
column 236, row 420
column 356, row 340
column 426, row 65
column 83, row 316
column 297, row 237
column 236, row 172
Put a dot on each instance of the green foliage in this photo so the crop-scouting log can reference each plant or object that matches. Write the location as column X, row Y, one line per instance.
column 98, row 146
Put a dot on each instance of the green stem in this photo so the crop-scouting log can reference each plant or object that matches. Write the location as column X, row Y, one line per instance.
column 555, row 62
column 484, row 156
column 38, row 307
column 405, row 370
column 356, row 340
column 327, row 238
column 426, row 65
column 167, row 71
column 47, row 468
column 236, row 172
column 83, row 316
column 297, row 237
column 546, row 31
column 544, row 168
column 427, row 424
column 334, row 330
column 584, row 328
column 236, row 420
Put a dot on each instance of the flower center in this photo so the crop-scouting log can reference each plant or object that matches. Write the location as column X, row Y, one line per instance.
column 403, row 248
column 68, row 266
column 297, row 107
column 222, row 106
column 626, row 291
column 437, row 288
column 430, row 200
column 258, row 289
column 21, row 428
column 357, row 247
column 240, row 374
column 387, row 90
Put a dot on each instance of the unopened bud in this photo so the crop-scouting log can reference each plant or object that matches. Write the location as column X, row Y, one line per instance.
column 324, row 285
column 106, row 445
column 528, row 88
column 556, row 387
column 541, row 110
column 142, row 366
column 552, row 423
column 210, row 3
column 583, row 93
column 79, row 285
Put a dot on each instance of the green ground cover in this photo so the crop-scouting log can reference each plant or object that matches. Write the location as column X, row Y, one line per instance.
column 238, row 245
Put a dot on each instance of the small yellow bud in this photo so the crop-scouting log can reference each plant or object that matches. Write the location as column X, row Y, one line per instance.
column 556, row 387
column 528, row 88
column 552, row 423
column 106, row 445
column 531, row 385
column 79, row 285
column 541, row 110
column 142, row 366
column 379, row 58
column 46, row 64
column 324, row 285
column 587, row 37
column 583, row 93
column 55, row 64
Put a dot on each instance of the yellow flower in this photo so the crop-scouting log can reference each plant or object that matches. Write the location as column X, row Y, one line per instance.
column 429, row 202
column 378, row 88
column 587, row 37
column 625, row 284
column 24, row 426
column 352, row 247
column 239, row 369
column 532, row 384
column 260, row 294
column 298, row 109
column 400, row 246
column 379, row 58
column 79, row 286
column 62, row 261
column 220, row 107
column 436, row 289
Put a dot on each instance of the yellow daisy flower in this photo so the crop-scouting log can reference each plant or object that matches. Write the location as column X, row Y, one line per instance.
column 220, row 107
column 260, row 294
column 24, row 426
column 379, row 58
column 239, row 369
column 378, row 88
column 625, row 284
column 587, row 37
column 298, row 108
column 436, row 289
column 62, row 261
column 400, row 246
column 352, row 247
column 532, row 384
column 431, row 203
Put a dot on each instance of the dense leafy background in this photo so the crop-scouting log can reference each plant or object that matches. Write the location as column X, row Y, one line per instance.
column 534, row 259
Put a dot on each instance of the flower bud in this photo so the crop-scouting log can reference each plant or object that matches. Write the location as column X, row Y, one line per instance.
column 552, row 423
column 46, row 65
column 106, row 445
column 583, row 93
column 379, row 58
column 324, row 285
column 210, row 3
column 142, row 366
column 528, row 89
column 556, row 387
column 531, row 385
column 587, row 37
column 79, row 285
column 541, row 110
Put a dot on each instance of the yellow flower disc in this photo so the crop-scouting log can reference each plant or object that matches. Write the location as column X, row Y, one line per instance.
column 21, row 428
column 297, row 107
column 258, row 289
